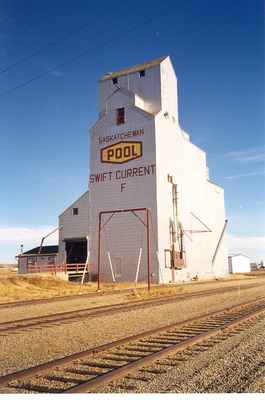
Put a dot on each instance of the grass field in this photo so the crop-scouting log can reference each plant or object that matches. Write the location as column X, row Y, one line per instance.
column 25, row 287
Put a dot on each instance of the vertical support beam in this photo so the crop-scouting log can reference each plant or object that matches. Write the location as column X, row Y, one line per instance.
column 219, row 242
column 138, row 265
column 99, row 232
column 86, row 264
column 111, row 267
column 148, row 249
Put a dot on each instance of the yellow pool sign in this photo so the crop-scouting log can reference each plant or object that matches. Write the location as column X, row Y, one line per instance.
column 121, row 152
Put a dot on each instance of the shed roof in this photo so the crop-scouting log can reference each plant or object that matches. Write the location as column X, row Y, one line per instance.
column 238, row 254
column 44, row 250
column 135, row 68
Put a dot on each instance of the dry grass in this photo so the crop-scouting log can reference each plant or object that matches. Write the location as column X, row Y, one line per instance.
column 189, row 287
column 15, row 287
column 121, row 285
column 256, row 273
column 142, row 293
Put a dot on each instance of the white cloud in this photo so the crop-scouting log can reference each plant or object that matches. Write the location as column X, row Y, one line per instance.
column 28, row 236
column 55, row 72
column 252, row 246
column 256, row 154
column 11, row 237
column 245, row 175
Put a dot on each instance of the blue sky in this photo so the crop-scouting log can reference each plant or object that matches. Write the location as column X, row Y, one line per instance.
column 217, row 49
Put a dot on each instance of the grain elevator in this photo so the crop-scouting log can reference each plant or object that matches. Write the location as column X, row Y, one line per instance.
column 154, row 213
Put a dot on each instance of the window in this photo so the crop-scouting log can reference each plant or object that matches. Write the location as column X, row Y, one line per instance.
column 51, row 260
column 167, row 253
column 142, row 73
column 120, row 116
column 114, row 81
column 75, row 211
column 31, row 260
column 170, row 178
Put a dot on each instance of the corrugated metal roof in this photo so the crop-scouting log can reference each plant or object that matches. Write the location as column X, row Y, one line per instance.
column 135, row 68
column 238, row 254
column 44, row 250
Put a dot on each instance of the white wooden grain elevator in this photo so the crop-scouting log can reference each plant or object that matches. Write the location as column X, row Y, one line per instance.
column 153, row 211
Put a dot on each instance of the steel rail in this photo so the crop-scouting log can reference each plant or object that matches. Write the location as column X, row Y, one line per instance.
column 22, row 303
column 224, row 319
column 93, row 312
column 122, row 371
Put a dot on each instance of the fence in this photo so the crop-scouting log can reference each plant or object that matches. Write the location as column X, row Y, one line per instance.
column 66, row 268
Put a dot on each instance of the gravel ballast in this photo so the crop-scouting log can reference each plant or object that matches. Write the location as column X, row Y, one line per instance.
column 31, row 347
column 236, row 364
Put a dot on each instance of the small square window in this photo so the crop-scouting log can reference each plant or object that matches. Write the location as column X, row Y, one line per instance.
column 114, row 81
column 142, row 73
column 75, row 211
column 120, row 116
column 170, row 178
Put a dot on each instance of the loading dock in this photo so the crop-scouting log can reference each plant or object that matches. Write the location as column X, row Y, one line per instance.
column 76, row 250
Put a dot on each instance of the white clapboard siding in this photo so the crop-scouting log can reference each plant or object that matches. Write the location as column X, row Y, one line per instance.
column 151, row 108
column 74, row 226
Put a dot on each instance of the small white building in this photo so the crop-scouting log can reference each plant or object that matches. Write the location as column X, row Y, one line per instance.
column 43, row 256
column 239, row 263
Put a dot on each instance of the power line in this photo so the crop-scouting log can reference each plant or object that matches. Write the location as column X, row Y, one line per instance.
column 39, row 51
column 71, row 60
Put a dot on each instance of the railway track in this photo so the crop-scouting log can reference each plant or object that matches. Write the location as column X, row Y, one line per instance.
column 93, row 369
column 81, row 314
column 23, row 303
